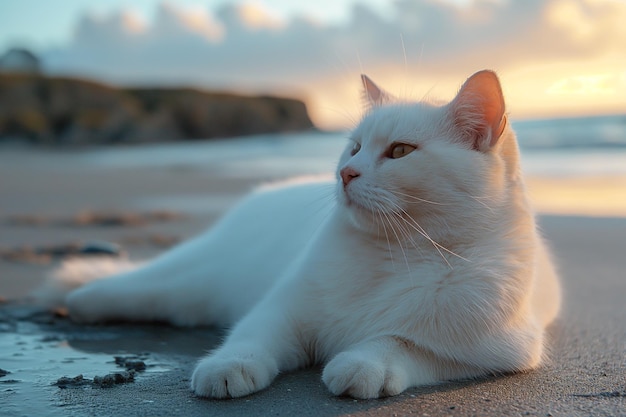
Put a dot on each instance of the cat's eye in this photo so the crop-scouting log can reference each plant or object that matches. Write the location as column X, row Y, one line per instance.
column 398, row 150
column 355, row 149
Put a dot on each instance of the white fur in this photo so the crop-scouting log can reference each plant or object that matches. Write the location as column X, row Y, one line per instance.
column 421, row 269
column 76, row 272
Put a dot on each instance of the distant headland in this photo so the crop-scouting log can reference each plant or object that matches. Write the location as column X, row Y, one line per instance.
column 67, row 111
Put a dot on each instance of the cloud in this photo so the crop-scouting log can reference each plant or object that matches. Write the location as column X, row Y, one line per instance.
column 596, row 84
column 246, row 47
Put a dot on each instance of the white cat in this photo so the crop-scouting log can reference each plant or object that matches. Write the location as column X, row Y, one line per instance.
column 426, row 266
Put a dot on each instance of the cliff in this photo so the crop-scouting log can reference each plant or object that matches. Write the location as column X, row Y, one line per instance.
column 55, row 110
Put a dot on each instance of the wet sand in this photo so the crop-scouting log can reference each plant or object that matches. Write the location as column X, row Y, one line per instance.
column 584, row 375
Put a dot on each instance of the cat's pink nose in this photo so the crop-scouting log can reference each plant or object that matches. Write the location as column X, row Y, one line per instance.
column 348, row 174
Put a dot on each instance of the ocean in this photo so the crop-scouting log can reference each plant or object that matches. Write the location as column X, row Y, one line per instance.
column 589, row 146
column 575, row 147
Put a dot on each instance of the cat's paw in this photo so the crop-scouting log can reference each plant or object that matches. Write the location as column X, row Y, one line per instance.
column 360, row 376
column 219, row 377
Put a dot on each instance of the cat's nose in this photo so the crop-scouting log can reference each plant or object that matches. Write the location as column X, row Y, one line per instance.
column 348, row 174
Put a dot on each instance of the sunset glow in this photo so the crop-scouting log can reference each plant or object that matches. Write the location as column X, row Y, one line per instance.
column 554, row 57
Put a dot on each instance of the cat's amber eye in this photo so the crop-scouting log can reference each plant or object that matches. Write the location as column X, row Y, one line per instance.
column 398, row 150
column 355, row 149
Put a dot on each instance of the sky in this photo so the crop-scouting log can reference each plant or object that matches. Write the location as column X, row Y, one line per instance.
column 554, row 57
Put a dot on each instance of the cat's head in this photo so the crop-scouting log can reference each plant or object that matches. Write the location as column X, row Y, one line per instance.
column 421, row 161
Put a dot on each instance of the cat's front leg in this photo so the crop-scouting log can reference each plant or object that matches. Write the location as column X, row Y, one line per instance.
column 234, row 372
column 379, row 367
column 262, row 344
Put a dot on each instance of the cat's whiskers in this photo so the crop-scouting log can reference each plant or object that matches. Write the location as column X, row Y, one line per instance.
column 407, row 234
column 413, row 223
column 410, row 198
column 390, row 207
column 400, row 222
column 393, row 229
column 416, row 226
column 408, row 237
column 381, row 218
column 381, row 222
column 379, row 213
column 482, row 203
column 401, row 213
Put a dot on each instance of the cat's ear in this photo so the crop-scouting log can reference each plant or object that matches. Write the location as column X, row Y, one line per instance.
column 478, row 110
column 373, row 95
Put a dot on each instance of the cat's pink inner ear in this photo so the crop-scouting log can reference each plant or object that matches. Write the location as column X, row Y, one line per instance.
column 479, row 109
column 374, row 94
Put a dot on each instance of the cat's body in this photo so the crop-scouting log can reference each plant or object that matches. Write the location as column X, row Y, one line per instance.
column 426, row 267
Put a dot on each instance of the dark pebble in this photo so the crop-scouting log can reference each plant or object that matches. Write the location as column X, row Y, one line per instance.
column 77, row 381
column 131, row 364
column 114, row 378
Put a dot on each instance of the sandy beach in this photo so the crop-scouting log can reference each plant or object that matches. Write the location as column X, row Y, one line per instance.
column 45, row 194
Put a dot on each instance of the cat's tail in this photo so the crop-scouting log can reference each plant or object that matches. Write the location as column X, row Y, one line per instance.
column 75, row 272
